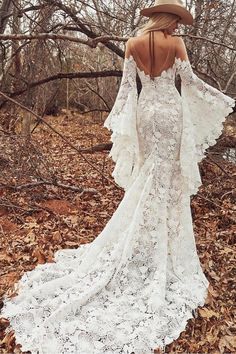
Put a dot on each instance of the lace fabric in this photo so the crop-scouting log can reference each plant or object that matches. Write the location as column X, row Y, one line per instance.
column 204, row 111
column 198, row 101
column 137, row 284
column 122, row 121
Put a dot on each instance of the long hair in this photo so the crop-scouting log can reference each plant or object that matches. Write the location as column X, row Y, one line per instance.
column 159, row 21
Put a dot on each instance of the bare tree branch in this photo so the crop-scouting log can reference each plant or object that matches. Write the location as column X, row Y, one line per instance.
column 60, row 76
column 99, row 39
column 90, row 42
column 209, row 40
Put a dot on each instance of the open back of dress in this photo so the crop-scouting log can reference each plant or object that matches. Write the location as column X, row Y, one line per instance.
column 153, row 52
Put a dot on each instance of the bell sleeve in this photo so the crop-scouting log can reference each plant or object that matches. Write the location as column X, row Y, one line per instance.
column 122, row 122
column 204, row 111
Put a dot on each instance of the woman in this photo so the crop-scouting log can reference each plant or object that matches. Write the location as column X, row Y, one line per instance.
column 136, row 285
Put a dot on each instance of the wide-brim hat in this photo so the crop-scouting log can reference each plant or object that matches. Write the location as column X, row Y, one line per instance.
column 175, row 7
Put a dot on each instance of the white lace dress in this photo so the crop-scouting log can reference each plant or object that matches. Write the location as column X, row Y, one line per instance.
column 135, row 286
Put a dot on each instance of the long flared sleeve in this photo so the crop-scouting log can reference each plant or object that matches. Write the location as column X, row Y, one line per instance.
column 122, row 122
column 204, row 110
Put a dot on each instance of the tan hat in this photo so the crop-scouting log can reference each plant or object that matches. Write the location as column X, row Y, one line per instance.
column 171, row 6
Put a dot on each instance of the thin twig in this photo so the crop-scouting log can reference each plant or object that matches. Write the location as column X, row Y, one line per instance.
column 220, row 167
column 227, row 193
column 10, row 205
column 208, row 40
column 216, row 204
column 57, row 184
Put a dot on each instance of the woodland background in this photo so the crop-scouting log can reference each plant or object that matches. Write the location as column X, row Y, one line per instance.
column 60, row 68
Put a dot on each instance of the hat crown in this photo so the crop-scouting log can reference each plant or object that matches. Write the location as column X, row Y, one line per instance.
column 175, row 7
column 169, row 2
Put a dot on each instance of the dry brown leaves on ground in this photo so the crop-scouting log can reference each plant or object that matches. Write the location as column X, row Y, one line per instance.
column 37, row 221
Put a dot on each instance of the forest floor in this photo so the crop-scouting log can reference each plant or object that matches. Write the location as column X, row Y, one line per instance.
column 36, row 221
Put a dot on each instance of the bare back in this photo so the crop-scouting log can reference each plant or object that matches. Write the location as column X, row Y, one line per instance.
column 164, row 48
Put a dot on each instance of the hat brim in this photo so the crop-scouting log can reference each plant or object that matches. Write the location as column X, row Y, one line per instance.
column 185, row 16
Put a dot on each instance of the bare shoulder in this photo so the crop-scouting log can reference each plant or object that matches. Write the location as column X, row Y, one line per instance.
column 179, row 42
column 128, row 51
column 134, row 42
column 180, row 48
column 131, row 41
